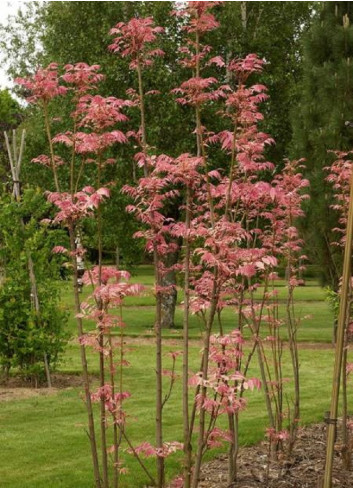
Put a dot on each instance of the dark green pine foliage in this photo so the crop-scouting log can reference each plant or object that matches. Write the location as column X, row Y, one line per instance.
column 325, row 103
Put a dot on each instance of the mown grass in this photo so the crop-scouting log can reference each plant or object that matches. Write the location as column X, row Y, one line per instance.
column 144, row 275
column 316, row 323
column 44, row 443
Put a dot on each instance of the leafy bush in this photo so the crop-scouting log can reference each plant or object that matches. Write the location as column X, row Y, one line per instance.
column 26, row 335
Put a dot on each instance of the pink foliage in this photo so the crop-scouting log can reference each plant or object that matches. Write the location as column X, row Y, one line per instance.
column 99, row 113
column 340, row 176
column 44, row 85
column 217, row 437
column 200, row 19
column 59, row 250
column 46, row 161
column 274, row 435
column 77, row 206
column 113, row 402
column 133, row 40
column 241, row 217
column 148, row 450
column 82, row 76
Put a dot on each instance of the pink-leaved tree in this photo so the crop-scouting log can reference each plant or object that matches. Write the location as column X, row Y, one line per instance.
column 237, row 224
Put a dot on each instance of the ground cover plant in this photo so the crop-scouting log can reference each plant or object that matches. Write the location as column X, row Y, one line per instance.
column 219, row 223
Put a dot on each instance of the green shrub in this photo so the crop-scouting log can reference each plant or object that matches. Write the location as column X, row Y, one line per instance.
column 27, row 335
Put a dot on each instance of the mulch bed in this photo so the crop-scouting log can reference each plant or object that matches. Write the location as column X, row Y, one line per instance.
column 304, row 469
column 18, row 388
column 59, row 381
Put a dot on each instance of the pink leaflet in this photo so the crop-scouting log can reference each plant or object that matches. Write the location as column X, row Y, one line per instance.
column 133, row 40
column 43, row 85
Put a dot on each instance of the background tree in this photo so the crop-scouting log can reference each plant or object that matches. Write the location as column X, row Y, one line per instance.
column 10, row 118
column 319, row 124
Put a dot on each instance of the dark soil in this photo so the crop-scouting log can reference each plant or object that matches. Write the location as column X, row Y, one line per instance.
column 304, row 469
column 59, row 381
column 17, row 387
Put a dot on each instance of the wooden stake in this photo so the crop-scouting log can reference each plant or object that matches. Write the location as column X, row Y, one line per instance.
column 341, row 326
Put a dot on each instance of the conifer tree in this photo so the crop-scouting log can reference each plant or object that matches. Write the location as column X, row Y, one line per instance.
column 320, row 124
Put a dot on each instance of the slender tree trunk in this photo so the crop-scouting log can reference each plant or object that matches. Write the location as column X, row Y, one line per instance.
column 115, row 427
column 143, row 117
column 271, row 417
column 244, row 15
column 202, row 420
column 159, row 391
column 103, row 415
column 103, row 420
column 293, row 347
column 15, row 164
column 35, row 300
column 169, row 299
column 158, row 320
column 91, row 429
column 342, row 321
column 233, row 448
column 117, row 257
column 186, row 422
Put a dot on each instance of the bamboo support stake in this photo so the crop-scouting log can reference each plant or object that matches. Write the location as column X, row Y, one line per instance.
column 344, row 297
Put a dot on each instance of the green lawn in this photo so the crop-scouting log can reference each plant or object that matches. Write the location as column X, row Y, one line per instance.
column 44, row 443
column 139, row 313
column 144, row 275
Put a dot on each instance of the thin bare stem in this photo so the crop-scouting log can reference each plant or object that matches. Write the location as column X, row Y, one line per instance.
column 103, row 416
column 92, row 434
column 206, row 349
column 159, row 388
column 186, row 421
column 142, row 114
column 51, row 149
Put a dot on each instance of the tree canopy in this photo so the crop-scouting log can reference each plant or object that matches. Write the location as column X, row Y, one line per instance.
column 325, row 104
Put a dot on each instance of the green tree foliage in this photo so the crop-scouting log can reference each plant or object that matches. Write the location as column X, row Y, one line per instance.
column 21, row 39
column 325, row 103
column 10, row 118
column 10, row 110
column 25, row 335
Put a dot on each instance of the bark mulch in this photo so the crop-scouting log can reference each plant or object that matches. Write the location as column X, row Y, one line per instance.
column 17, row 387
column 304, row 469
